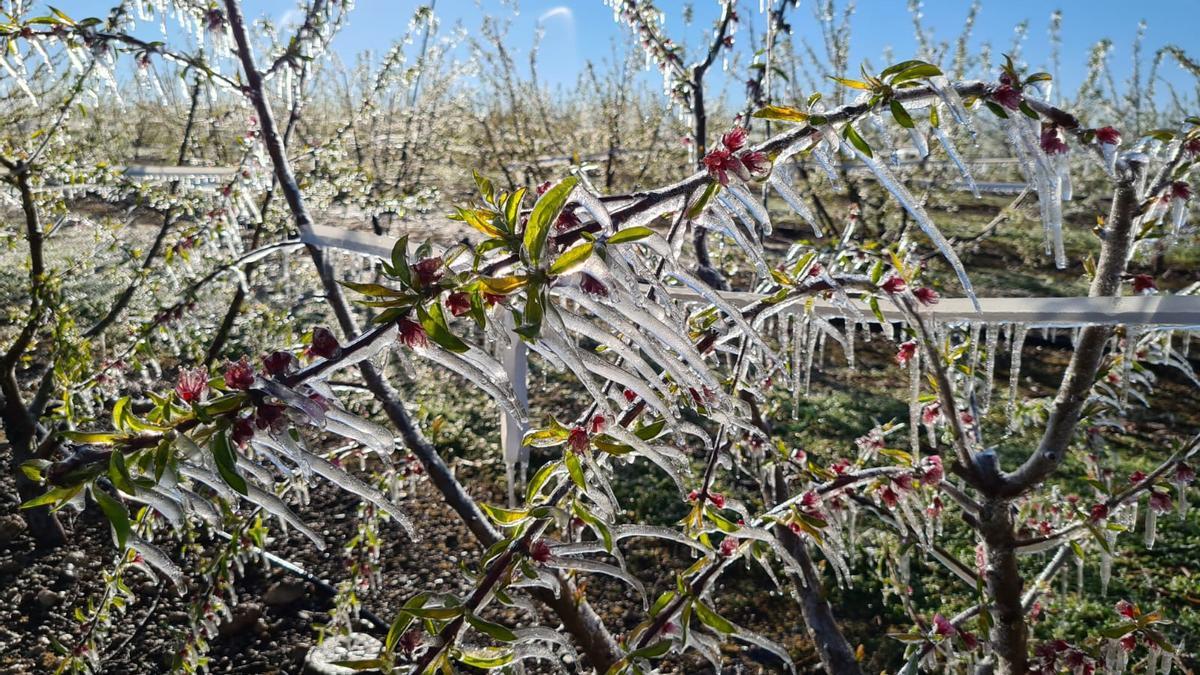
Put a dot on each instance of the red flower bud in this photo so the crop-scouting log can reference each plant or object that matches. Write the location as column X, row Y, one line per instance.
column 1108, row 136
column 239, row 374
column 243, row 431
column 278, row 363
column 734, row 139
column 192, row 384
column 539, row 550
column 728, row 546
column 926, row 295
column 893, row 284
column 592, row 286
column 458, row 303
column 428, row 271
column 1160, row 501
column 756, row 163
column 1008, row 97
column 269, row 416
column 577, row 440
column 1144, row 283
column 412, row 333
column 1052, row 142
column 324, row 344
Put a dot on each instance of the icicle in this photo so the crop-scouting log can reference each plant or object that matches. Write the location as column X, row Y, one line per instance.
column 1017, row 343
column 885, row 137
column 914, row 405
column 1062, row 165
column 919, row 143
column 501, row 393
column 585, row 565
column 851, row 330
column 593, row 206
column 1132, row 337
column 889, row 182
column 754, row 206
column 796, row 202
column 1168, row 660
column 952, row 153
column 155, row 557
column 825, row 163
column 1151, row 530
column 1106, row 561
column 322, row 467
column 945, row 90
column 1179, row 212
column 161, row 503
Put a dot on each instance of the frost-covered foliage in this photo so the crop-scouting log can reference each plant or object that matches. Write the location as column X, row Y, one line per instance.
column 678, row 376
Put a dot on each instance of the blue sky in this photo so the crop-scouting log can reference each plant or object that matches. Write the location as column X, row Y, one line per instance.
column 580, row 30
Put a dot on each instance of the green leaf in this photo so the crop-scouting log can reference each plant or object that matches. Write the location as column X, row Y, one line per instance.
column 596, row 524
column 652, row 651
column 437, row 613
column 512, row 209
column 55, row 496
column 399, row 267
column 92, row 437
column 712, row 619
column 1029, row 112
column 897, row 67
column 853, row 84
column 630, row 234
column 782, row 113
column 531, row 326
column 361, row 664
column 661, row 602
column 571, row 258
column 1118, row 631
column 118, row 473
column 504, row 516
column 575, row 469
column 372, row 290
column 873, row 303
column 902, row 117
column 544, row 213
column 480, row 219
column 119, row 412
column 916, row 72
column 996, row 109
column 651, row 430
column 434, row 323
column 486, row 189
column 849, row 133
column 709, row 192
column 492, row 630
column 539, row 479
column 116, row 513
column 606, row 443
column 487, row 657
column 227, row 462
column 33, row 469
